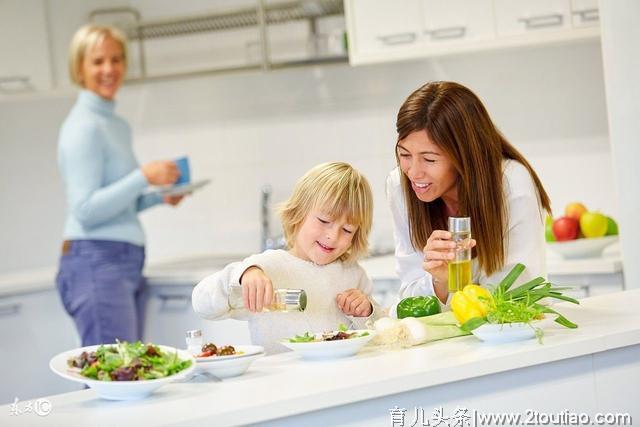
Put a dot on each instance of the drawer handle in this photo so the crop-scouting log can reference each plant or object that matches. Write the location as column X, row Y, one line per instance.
column 396, row 39
column 542, row 21
column 172, row 302
column 15, row 84
column 10, row 309
column 588, row 15
column 447, row 33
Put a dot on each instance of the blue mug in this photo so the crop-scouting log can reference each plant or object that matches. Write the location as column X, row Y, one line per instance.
column 183, row 166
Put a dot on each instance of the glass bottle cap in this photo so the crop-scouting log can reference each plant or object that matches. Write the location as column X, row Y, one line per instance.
column 295, row 299
column 459, row 224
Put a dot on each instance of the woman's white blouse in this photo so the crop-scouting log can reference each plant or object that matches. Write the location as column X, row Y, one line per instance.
column 524, row 238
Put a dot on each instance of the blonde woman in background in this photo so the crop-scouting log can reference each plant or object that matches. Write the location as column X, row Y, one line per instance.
column 453, row 161
column 100, row 274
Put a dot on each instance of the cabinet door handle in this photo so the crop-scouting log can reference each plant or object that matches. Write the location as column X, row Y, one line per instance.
column 399, row 38
column 10, row 309
column 542, row 21
column 588, row 15
column 174, row 302
column 447, row 33
column 15, row 84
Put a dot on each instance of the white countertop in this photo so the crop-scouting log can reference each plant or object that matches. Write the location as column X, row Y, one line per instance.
column 283, row 384
column 189, row 271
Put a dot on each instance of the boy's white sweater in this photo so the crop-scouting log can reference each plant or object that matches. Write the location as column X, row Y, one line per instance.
column 322, row 283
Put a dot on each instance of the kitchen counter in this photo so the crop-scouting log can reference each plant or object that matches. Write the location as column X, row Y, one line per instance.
column 593, row 368
column 189, row 271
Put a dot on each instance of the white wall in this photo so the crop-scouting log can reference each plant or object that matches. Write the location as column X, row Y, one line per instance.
column 620, row 46
column 247, row 129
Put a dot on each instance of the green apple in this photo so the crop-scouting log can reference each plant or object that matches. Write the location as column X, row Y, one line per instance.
column 548, row 229
column 612, row 227
column 593, row 224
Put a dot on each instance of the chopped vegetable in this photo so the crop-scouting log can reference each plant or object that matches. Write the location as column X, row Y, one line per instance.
column 128, row 362
column 307, row 337
column 420, row 306
column 341, row 334
column 412, row 331
column 210, row 349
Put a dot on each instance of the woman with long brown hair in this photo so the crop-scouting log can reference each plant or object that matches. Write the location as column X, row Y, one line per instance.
column 453, row 161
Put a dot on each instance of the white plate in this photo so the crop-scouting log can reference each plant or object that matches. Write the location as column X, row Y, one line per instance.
column 117, row 390
column 177, row 190
column 247, row 350
column 507, row 332
column 582, row 248
column 330, row 349
column 230, row 366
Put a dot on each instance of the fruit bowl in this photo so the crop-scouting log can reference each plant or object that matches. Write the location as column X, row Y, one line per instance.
column 582, row 248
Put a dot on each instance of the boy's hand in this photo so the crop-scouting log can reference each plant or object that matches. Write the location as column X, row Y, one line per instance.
column 353, row 302
column 257, row 290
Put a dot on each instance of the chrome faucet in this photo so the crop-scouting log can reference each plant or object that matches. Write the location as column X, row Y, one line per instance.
column 266, row 240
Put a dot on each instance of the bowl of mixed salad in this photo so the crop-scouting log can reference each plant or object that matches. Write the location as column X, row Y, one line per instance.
column 330, row 344
column 123, row 371
column 228, row 360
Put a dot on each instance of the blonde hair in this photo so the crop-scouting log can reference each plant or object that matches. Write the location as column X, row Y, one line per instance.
column 338, row 189
column 85, row 39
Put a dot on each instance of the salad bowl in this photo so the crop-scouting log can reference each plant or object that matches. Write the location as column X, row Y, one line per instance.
column 318, row 347
column 500, row 333
column 119, row 390
column 232, row 365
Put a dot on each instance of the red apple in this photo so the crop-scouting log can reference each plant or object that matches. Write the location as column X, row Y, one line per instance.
column 565, row 228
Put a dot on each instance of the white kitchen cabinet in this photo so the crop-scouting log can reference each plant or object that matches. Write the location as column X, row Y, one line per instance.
column 457, row 21
column 25, row 64
column 585, row 13
column 33, row 328
column 169, row 314
column 388, row 27
column 384, row 31
column 518, row 17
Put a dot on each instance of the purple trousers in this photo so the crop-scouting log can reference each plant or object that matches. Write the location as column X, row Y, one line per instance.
column 101, row 286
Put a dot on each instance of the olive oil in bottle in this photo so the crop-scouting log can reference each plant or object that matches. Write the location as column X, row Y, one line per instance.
column 284, row 300
column 460, row 265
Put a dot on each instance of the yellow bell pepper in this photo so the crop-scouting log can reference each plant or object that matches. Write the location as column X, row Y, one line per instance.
column 472, row 301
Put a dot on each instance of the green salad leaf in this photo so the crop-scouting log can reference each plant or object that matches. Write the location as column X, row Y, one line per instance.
column 126, row 361
column 307, row 337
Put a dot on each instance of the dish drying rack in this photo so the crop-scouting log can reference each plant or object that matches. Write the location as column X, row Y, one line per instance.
column 139, row 30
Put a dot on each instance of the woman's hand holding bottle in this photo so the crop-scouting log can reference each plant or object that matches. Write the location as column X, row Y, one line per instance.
column 161, row 172
column 438, row 251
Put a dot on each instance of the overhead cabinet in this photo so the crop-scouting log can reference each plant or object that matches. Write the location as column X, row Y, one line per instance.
column 389, row 30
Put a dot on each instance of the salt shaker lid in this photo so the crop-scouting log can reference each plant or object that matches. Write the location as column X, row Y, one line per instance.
column 195, row 333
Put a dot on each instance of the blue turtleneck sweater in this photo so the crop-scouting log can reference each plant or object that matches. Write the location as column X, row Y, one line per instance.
column 103, row 182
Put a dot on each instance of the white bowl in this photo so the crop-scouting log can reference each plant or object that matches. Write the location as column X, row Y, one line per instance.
column 230, row 366
column 582, row 248
column 499, row 333
column 330, row 349
column 117, row 390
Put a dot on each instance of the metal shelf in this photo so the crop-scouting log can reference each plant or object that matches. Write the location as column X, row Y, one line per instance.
column 260, row 16
column 248, row 17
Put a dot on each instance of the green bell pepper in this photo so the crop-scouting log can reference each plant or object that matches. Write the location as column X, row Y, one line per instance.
column 418, row 307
